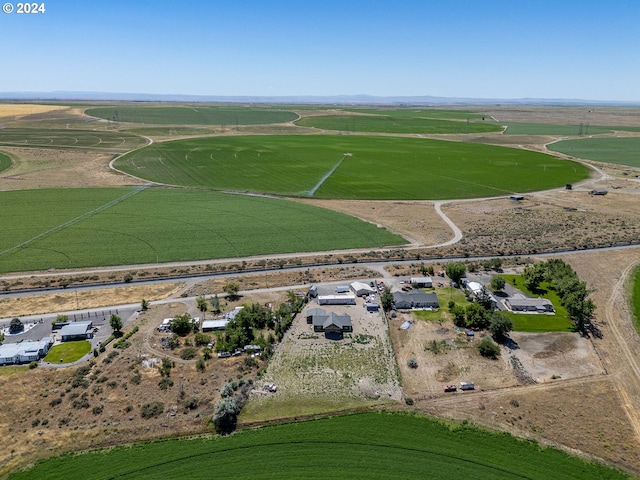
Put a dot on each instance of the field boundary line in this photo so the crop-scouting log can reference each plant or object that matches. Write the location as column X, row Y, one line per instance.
column 75, row 220
column 327, row 175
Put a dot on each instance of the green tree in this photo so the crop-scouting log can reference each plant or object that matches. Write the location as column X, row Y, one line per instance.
column 16, row 326
column 1, row 338
column 477, row 316
column 500, row 326
column 387, row 300
column 225, row 417
column 116, row 323
column 202, row 305
column 144, row 305
column 497, row 283
column 484, row 299
column 215, row 304
column 455, row 271
column 459, row 318
column 181, row 324
column 231, row 289
column 533, row 276
column 488, row 349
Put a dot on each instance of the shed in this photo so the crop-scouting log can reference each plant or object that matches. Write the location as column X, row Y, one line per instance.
column 372, row 307
column 421, row 282
column 212, row 325
column 349, row 299
column 361, row 289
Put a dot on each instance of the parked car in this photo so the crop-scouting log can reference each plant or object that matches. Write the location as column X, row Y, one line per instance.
column 449, row 388
column 467, row 386
column 224, row 355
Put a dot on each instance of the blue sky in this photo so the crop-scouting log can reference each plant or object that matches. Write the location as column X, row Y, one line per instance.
column 482, row 49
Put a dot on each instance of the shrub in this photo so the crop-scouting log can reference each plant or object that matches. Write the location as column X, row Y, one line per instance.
column 136, row 379
column 227, row 390
column 488, row 349
column 201, row 364
column 164, row 383
column 55, row 401
column 202, row 339
column 189, row 353
column 151, row 410
column 412, row 363
column 408, row 401
column 35, row 422
column 33, row 365
column 225, row 417
column 191, row 403
column 97, row 410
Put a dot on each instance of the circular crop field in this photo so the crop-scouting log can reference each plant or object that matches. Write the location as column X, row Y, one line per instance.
column 366, row 446
column 197, row 115
column 621, row 151
column 350, row 167
column 5, row 162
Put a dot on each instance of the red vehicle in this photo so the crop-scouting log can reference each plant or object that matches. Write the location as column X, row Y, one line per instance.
column 449, row 388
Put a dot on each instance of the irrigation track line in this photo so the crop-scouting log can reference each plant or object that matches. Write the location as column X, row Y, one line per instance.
column 73, row 221
column 327, row 175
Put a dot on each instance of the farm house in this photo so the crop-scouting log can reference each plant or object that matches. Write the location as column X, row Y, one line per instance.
column 213, row 325
column 76, row 331
column 407, row 301
column 23, row 352
column 538, row 305
column 332, row 324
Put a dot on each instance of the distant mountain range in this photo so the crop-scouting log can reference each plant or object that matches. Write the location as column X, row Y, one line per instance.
column 303, row 99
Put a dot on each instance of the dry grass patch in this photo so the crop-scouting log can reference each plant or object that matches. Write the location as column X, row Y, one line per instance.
column 21, row 110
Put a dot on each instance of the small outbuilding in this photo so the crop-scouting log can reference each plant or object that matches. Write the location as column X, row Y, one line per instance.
column 214, row 325
column 361, row 289
column 348, row 299
column 421, row 282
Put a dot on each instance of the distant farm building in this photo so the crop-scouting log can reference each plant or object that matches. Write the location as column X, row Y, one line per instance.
column 598, row 192
column 421, row 282
column 415, row 299
column 23, row 352
column 76, row 331
column 360, row 289
column 529, row 305
column 332, row 324
column 349, row 299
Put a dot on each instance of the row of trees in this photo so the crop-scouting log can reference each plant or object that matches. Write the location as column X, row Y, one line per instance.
column 573, row 293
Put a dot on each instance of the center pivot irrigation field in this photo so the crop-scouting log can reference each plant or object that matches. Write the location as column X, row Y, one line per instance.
column 369, row 167
column 88, row 139
column 196, row 115
column 403, row 121
column 94, row 227
column 366, row 446
column 622, row 151
column 5, row 162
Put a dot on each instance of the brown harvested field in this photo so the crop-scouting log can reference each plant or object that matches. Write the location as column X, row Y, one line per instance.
column 19, row 110
column 44, row 168
column 605, row 116
column 416, row 221
column 83, row 299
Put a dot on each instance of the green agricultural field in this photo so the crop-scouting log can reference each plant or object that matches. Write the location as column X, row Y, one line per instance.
column 120, row 226
column 68, row 352
column 350, row 167
column 621, row 151
column 80, row 139
column 635, row 299
column 364, row 446
column 5, row 162
column 517, row 128
column 402, row 121
column 559, row 322
column 195, row 115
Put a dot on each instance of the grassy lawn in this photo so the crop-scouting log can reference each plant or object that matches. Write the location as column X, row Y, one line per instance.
column 635, row 299
column 7, row 370
column 364, row 446
column 445, row 294
column 522, row 322
column 198, row 115
column 5, row 162
column 414, row 120
column 621, row 151
column 68, row 352
column 163, row 225
column 365, row 167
